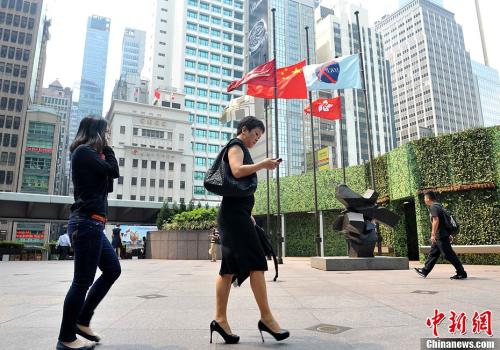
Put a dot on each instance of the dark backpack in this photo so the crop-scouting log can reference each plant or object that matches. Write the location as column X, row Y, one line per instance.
column 450, row 223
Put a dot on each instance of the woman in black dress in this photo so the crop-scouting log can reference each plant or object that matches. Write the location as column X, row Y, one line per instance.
column 242, row 253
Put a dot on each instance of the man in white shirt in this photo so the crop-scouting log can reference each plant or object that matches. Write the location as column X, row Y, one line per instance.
column 63, row 245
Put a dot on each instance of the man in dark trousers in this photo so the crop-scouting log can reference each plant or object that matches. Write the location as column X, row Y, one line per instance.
column 441, row 240
column 63, row 246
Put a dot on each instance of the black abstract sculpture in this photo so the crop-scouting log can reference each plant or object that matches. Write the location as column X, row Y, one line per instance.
column 356, row 221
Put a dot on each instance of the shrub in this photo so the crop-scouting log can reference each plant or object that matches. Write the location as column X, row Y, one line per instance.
column 196, row 219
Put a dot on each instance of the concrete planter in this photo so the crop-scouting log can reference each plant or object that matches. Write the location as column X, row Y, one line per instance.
column 179, row 245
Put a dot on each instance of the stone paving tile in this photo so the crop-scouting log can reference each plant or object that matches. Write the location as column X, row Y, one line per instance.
column 378, row 306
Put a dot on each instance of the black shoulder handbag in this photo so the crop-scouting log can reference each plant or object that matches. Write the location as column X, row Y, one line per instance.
column 220, row 180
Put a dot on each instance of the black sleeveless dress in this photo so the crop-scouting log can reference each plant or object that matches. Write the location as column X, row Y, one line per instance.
column 242, row 251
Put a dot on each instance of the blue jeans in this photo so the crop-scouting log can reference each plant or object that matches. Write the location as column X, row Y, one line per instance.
column 92, row 249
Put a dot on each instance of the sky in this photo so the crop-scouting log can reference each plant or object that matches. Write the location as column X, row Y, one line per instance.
column 69, row 23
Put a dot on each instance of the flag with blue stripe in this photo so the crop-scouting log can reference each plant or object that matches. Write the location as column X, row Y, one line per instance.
column 339, row 73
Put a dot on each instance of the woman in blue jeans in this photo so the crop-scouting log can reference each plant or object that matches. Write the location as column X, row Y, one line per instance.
column 94, row 167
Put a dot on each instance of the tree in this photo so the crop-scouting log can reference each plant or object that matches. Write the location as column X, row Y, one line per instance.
column 182, row 207
column 207, row 206
column 164, row 216
column 199, row 205
column 190, row 205
column 175, row 208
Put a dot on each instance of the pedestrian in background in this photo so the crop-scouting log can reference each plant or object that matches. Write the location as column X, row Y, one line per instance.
column 63, row 246
column 93, row 168
column 214, row 241
column 116, row 240
column 441, row 240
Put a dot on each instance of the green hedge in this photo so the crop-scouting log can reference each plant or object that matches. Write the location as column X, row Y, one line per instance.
column 196, row 219
column 465, row 158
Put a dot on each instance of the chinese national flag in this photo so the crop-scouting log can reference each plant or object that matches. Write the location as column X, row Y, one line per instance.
column 291, row 84
column 263, row 75
column 326, row 108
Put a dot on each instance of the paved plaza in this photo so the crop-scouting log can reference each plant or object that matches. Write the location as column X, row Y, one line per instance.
column 159, row 304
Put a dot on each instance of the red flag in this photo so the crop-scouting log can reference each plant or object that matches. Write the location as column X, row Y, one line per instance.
column 263, row 75
column 291, row 84
column 326, row 108
column 157, row 94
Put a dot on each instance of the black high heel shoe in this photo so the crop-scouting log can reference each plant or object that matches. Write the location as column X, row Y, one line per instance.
column 228, row 338
column 281, row 335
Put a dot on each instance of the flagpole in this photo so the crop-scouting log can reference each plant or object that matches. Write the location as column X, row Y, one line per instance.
column 368, row 121
column 279, row 235
column 268, row 215
column 316, row 217
column 368, row 125
column 341, row 134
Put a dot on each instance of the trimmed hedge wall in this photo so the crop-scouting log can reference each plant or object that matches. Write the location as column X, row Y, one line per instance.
column 440, row 163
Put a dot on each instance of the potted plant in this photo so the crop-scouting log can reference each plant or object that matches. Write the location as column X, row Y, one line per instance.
column 8, row 248
column 52, row 250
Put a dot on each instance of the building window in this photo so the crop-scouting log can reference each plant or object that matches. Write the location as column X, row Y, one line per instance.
column 162, row 165
column 144, row 164
column 132, row 197
column 134, row 181
column 121, row 161
column 143, row 182
column 152, row 182
column 122, row 129
column 170, row 199
column 135, row 163
column 162, row 183
column 153, row 164
column 142, row 198
column 199, row 190
column 183, row 185
column 160, row 199
column 136, row 131
column 170, row 183
column 120, row 180
column 199, row 175
column 119, row 196
column 183, row 168
column 151, row 198
column 170, row 166
column 200, row 161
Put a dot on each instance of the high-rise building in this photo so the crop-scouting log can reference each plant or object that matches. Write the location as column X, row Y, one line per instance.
column 95, row 59
column 20, row 41
column 41, row 139
column 130, row 87
column 291, row 19
column 133, row 47
column 406, row 2
column 198, row 49
column 337, row 35
column 431, row 75
column 42, row 60
column 292, row 16
column 60, row 99
column 488, row 86
column 74, row 123
column 153, row 148
column 38, row 171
